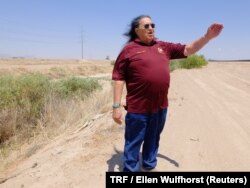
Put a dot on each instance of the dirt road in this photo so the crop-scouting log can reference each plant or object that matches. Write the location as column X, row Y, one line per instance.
column 208, row 129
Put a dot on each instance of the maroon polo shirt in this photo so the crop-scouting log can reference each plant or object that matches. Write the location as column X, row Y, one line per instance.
column 145, row 69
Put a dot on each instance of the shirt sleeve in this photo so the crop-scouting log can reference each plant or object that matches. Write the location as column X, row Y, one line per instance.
column 175, row 50
column 120, row 67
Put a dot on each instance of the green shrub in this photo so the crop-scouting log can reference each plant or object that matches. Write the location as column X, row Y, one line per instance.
column 194, row 61
column 73, row 87
column 26, row 93
column 23, row 99
column 174, row 64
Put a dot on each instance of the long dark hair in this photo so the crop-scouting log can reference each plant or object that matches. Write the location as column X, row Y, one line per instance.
column 134, row 24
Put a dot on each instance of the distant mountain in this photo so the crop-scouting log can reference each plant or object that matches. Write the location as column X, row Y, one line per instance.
column 231, row 60
column 4, row 55
column 14, row 57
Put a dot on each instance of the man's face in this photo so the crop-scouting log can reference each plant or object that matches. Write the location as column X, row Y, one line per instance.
column 145, row 30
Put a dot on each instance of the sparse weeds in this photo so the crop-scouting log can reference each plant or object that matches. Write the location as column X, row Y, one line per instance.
column 23, row 99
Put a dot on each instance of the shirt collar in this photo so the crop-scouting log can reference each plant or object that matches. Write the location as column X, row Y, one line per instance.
column 154, row 41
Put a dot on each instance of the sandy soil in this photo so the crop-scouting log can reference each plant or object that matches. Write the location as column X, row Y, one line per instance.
column 207, row 130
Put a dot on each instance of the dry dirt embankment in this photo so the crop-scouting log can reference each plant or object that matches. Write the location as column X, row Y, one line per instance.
column 54, row 68
column 207, row 130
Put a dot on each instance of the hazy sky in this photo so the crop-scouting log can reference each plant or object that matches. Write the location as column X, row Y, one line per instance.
column 53, row 29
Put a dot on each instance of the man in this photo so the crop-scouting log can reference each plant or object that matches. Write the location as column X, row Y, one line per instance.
column 143, row 65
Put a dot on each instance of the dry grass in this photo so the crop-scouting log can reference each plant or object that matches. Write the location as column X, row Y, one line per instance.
column 54, row 68
column 61, row 116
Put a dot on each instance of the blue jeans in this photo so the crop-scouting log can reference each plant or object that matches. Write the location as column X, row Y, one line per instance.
column 142, row 128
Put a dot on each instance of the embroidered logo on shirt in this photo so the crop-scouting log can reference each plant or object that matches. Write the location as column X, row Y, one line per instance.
column 160, row 50
column 139, row 52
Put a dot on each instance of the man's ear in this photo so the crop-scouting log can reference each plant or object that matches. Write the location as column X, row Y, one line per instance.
column 136, row 30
